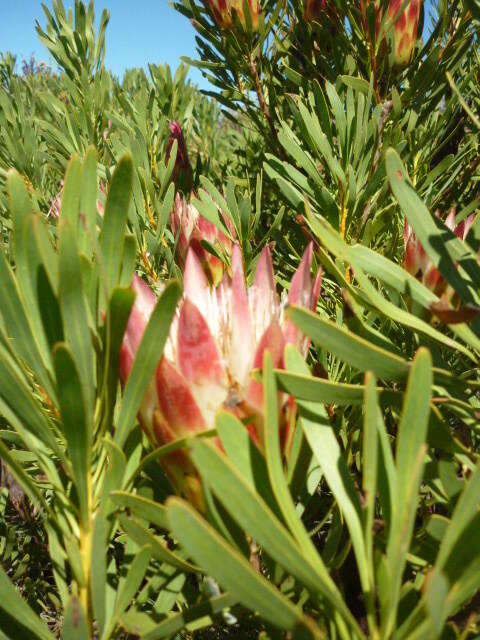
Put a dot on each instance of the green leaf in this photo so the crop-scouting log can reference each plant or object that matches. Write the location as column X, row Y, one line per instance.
column 348, row 347
column 232, row 570
column 75, row 623
column 115, row 220
column 71, row 194
column 18, row 327
column 18, row 620
column 119, row 309
column 256, row 518
column 27, row 258
column 135, row 576
column 114, row 471
column 410, row 454
column 146, row 360
column 24, row 479
column 325, row 448
column 246, row 457
column 98, row 577
column 17, row 395
column 192, row 618
column 75, row 314
column 142, row 508
column 465, row 511
column 280, row 486
column 305, row 387
column 158, row 547
column 76, row 424
column 370, row 461
column 394, row 276
column 88, row 203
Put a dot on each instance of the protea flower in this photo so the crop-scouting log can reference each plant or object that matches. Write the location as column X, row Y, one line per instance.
column 217, row 339
column 222, row 11
column 418, row 264
column 404, row 25
column 182, row 172
column 192, row 228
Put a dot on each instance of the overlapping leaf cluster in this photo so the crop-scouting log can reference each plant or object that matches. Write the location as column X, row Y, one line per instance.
column 369, row 525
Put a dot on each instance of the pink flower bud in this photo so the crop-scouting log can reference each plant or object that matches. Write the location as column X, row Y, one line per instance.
column 182, row 171
column 222, row 11
column 402, row 25
column 405, row 29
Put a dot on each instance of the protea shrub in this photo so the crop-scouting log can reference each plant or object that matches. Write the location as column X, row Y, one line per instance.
column 217, row 339
column 189, row 229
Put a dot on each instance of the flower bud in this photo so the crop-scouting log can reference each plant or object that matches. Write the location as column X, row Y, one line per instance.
column 418, row 264
column 222, row 11
column 190, row 228
column 182, row 171
column 405, row 26
column 402, row 26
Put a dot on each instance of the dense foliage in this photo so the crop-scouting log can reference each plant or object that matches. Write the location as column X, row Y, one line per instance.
column 239, row 330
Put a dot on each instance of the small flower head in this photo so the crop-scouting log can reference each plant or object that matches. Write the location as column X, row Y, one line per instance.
column 190, row 228
column 417, row 262
column 217, row 339
column 401, row 25
column 223, row 10
column 405, row 27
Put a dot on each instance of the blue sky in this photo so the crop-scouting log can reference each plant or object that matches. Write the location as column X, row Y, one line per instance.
column 139, row 32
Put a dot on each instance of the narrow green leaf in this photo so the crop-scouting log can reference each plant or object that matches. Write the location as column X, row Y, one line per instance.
column 19, row 329
column 142, row 536
column 135, row 576
column 142, row 508
column 348, row 347
column 75, row 314
column 303, row 387
column 71, row 194
column 98, row 575
column 75, row 423
column 465, row 510
column 75, row 623
column 232, row 570
column 370, row 461
column 410, row 452
column 280, row 486
column 18, row 620
column 118, row 312
column 193, row 618
column 146, row 359
column 115, row 220
column 88, row 202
